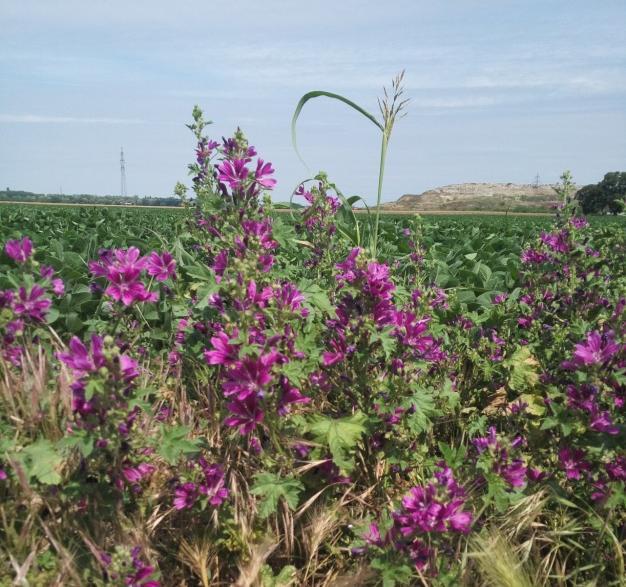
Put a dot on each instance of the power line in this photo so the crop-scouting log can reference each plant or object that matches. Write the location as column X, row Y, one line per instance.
column 123, row 174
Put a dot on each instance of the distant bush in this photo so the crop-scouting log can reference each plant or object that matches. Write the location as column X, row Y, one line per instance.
column 606, row 196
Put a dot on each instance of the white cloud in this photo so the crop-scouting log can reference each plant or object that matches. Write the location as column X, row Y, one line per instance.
column 37, row 119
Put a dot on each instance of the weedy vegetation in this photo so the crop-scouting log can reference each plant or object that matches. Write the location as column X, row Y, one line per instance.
column 219, row 395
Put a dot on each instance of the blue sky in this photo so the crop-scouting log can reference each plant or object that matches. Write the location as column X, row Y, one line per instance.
column 501, row 89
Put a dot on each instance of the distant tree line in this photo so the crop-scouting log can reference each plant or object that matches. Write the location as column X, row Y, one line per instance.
column 10, row 195
column 605, row 197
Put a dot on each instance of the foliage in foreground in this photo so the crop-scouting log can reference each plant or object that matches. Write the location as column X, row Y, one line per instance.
column 259, row 403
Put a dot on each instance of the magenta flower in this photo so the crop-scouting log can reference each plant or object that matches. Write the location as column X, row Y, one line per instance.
column 261, row 231
column 573, row 462
column 347, row 268
column 129, row 292
column 616, row 470
column 19, row 250
column 246, row 415
column 556, row 241
column 331, row 358
column 213, row 485
column 288, row 297
column 233, row 173
column 220, row 263
column 514, row 473
column 135, row 473
column 80, row 360
column 262, row 173
column 122, row 268
column 58, row 287
column 250, row 376
column 129, row 368
column 437, row 507
column 596, row 350
column 601, row 421
column 161, row 267
column 579, row 222
column 500, row 298
column 290, row 395
column 185, row 496
column 6, row 298
column 141, row 573
column 533, row 257
column 31, row 304
column 223, row 353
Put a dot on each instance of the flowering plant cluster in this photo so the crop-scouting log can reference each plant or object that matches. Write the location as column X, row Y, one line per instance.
column 235, row 403
column 123, row 269
column 27, row 304
column 318, row 223
column 428, row 515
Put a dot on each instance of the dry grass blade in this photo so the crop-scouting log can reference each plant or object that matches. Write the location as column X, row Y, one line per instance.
column 249, row 576
column 391, row 106
column 499, row 565
column 322, row 525
column 196, row 557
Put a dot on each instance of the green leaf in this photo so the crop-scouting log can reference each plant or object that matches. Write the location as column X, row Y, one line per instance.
column 340, row 435
column 272, row 487
column 423, row 409
column 316, row 94
column 41, row 461
column 174, row 443
column 523, row 369
column 286, row 577
column 79, row 439
column 316, row 297
column 387, row 341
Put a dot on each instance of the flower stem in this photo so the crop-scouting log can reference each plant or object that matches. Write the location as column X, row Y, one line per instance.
column 381, row 173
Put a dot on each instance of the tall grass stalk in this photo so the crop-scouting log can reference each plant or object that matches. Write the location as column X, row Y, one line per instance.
column 390, row 105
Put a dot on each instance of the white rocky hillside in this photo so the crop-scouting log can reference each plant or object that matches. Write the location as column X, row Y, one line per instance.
column 479, row 196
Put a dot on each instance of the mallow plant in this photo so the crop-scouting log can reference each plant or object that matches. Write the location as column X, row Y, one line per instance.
column 274, row 402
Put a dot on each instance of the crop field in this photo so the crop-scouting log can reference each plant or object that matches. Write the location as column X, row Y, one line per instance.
column 222, row 395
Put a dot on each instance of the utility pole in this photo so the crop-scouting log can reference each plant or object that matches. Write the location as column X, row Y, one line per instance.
column 123, row 174
column 536, row 184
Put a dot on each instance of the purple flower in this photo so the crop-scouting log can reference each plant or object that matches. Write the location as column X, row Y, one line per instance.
column 246, row 414
column 19, row 250
column 223, row 353
column 263, row 170
column 616, row 470
column 129, row 292
column 331, row 358
column 80, row 360
column 220, row 263
column 31, row 304
column 249, row 376
column 596, row 350
column 556, row 241
column 161, row 267
column 213, row 484
column 601, row 421
column 58, row 287
column 129, row 368
column 135, row 473
column 290, row 395
column 573, row 462
column 122, row 268
column 533, row 257
column 579, row 223
column 185, row 496
column 436, row 507
column 514, row 473
column 499, row 298
column 233, row 173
